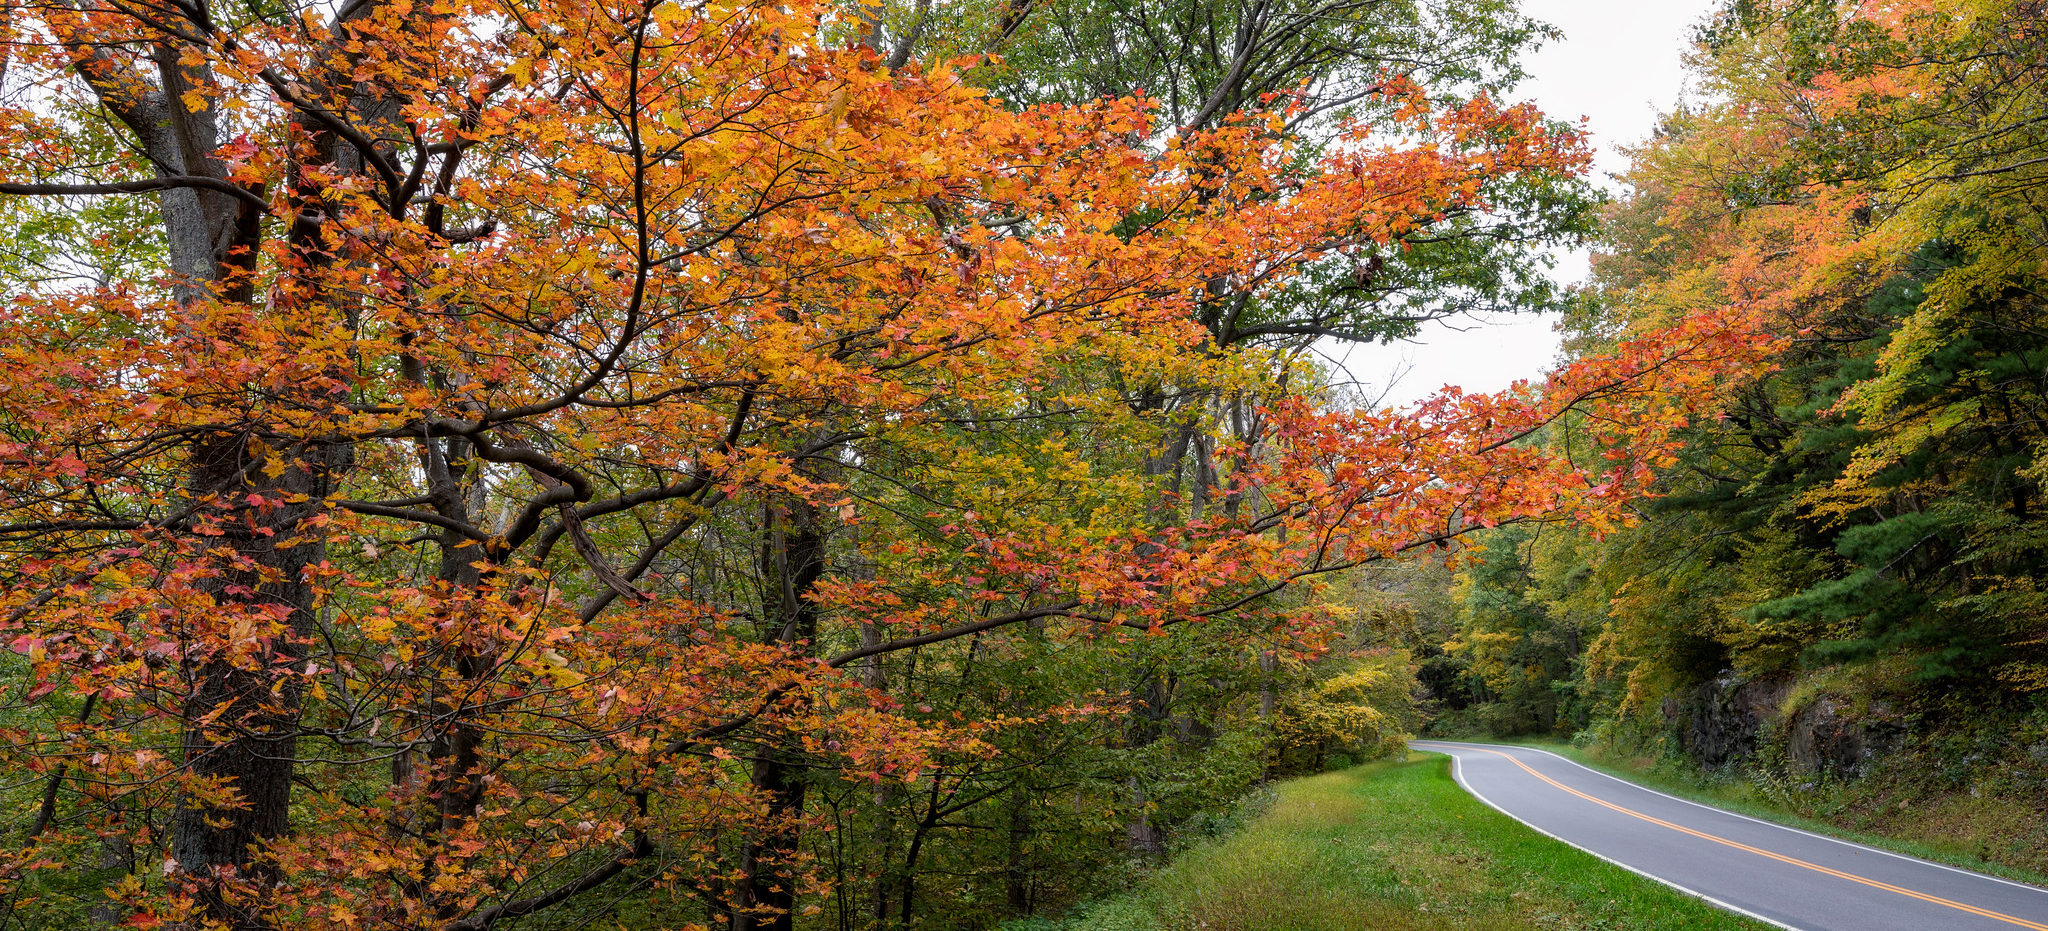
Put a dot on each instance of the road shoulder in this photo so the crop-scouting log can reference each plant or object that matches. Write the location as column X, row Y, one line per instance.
column 1728, row 797
column 1774, row 872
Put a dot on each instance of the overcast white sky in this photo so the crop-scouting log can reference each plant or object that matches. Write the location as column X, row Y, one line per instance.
column 1617, row 66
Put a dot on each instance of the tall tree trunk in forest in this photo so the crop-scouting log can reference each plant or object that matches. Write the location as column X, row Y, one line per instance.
column 1151, row 706
column 768, row 898
column 1150, row 695
column 1017, row 853
column 240, row 718
column 886, row 794
column 1269, row 688
column 793, row 561
column 907, row 879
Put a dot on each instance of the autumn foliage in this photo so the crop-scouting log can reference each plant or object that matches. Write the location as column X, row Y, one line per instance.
column 540, row 421
column 1856, row 541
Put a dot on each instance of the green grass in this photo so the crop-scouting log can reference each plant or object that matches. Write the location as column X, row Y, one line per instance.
column 2000, row 836
column 1391, row 847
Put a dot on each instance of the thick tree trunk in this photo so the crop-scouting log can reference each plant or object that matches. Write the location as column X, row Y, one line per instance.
column 1147, row 720
column 249, row 706
column 247, row 746
column 454, row 754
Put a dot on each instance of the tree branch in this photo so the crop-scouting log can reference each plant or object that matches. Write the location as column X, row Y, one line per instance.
column 135, row 187
column 597, row 876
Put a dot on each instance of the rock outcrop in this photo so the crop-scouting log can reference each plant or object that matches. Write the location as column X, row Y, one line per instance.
column 1822, row 738
column 1723, row 721
column 1729, row 719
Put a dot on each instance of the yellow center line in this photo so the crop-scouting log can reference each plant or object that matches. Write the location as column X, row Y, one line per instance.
column 1794, row 861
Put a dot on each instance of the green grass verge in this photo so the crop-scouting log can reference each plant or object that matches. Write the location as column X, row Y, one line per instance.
column 1391, row 846
column 1989, row 835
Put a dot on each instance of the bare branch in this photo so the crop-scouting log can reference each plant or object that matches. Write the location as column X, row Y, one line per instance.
column 135, row 187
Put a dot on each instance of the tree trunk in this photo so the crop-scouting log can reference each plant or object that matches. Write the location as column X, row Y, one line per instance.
column 907, row 881
column 768, row 899
column 1146, row 724
column 1016, row 854
column 793, row 560
column 251, row 707
column 886, row 795
column 241, row 760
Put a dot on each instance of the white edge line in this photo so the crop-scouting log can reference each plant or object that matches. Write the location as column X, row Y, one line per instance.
column 1786, row 827
column 1458, row 773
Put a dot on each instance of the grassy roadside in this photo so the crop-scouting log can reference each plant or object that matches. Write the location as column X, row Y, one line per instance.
column 1393, row 846
column 2002, row 837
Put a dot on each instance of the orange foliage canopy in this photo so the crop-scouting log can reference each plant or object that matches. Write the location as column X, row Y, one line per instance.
column 361, row 517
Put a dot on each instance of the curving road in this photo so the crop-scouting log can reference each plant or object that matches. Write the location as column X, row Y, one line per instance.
column 1783, row 876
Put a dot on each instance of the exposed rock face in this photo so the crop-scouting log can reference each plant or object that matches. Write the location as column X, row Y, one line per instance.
column 1722, row 721
column 1729, row 719
column 1820, row 738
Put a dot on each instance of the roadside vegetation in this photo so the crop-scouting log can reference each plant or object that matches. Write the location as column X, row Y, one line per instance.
column 1990, row 834
column 1392, row 846
column 1832, row 604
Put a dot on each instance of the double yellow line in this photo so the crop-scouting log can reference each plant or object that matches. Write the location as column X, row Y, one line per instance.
column 1781, row 858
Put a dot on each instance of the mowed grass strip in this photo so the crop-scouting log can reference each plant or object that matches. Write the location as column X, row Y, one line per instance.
column 1389, row 847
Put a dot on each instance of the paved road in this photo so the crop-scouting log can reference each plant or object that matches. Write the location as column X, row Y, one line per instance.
column 1784, row 876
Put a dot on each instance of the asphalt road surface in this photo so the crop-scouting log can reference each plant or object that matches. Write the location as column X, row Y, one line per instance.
column 1780, row 875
